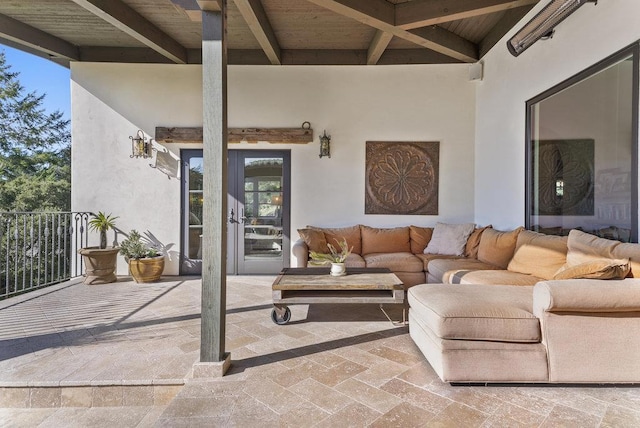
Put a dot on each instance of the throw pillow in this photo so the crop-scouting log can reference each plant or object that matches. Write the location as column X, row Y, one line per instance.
column 420, row 237
column 378, row 240
column 314, row 239
column 496, row 247
column 596, row 269
column 538, row 254
column 471, row 249
column 449, row 239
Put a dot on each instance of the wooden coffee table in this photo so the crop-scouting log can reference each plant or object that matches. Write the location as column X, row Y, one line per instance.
column 299, row 286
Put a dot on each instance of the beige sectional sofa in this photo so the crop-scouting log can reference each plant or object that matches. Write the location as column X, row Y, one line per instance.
column 517, row 306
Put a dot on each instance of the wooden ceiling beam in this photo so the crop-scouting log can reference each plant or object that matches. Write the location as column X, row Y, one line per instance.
column 422, row 13
column 506, row 23
column 124, row 18
column 377, row 47
column 258, row 22
column 381, row 17
column 31, row 38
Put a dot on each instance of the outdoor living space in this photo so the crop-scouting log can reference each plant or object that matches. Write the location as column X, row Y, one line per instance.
column 122, row 354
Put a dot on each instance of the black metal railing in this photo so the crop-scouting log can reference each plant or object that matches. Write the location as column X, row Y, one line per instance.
column 38, row 249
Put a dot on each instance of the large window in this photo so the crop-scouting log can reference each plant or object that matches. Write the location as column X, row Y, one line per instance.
column 582, row 166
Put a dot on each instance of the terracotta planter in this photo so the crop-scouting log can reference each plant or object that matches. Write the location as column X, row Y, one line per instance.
column 147, row 269
column 100, row 264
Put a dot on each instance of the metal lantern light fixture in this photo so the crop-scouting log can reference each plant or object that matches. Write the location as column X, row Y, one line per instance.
column 140, row 146
column 325, row 145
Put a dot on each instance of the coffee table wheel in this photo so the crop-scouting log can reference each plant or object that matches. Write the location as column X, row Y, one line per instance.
column 281, row 320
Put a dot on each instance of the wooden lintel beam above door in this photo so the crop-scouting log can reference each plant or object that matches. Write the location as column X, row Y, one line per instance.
column 237, row 135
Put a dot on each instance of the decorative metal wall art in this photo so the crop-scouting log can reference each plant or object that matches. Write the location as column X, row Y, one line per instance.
column 401, row 178
column 565, row 177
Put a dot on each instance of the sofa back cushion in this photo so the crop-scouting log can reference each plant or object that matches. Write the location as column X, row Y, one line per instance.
column 584, row 247
column 596, row 269
column 449, row 239
column 315, row 240
column 420, row 237
column 335, row 235
column 497, row 247
column 378, row 240
column 538, row 254
column 471, row 249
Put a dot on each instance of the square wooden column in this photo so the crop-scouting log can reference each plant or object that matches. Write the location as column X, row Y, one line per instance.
column 213, row 360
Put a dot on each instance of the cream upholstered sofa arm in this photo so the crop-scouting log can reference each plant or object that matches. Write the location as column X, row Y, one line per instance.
column 590, row 329
column 300, row 253
column 586, row 295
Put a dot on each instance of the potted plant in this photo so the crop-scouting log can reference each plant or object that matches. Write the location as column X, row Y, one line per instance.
column 100, row 262
column 145, row 262
column 334, row 257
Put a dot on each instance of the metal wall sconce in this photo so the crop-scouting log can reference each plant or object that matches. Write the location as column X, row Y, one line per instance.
column 542, row 25
column 325, row 145
column 141, row 146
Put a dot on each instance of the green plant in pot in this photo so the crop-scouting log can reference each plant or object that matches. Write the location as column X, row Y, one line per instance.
column 334, row 257
column 145, row 262
column 102, row 223
column 100, row 262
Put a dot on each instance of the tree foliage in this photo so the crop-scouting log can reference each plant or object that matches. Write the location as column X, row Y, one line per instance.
column 35, row 150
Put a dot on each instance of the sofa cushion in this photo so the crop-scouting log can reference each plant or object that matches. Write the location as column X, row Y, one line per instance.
column 428, row 258
column 445, row 269
column 477, row 312
column 471, row 248
column 377, row 240
column 420, row 237
column 355, row 261
column 584, row 247
column 596, row 269
column 397, row 262
column 335, row 235
column 449, row 239
column 314, row 239
column 538, row 254
column 496, row 277
column 496, row 247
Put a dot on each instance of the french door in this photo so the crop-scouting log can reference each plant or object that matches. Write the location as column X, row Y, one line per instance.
column 258, row 211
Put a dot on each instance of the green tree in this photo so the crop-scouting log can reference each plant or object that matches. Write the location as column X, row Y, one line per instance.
column 35, row 150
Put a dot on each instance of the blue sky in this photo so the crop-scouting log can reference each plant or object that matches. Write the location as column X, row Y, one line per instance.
column 42, row 76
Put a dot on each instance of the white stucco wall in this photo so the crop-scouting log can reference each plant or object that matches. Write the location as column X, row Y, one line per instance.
column 354, row 104
column 591, row 34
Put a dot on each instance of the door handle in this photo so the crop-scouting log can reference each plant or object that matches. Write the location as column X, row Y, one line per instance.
column 232, row 218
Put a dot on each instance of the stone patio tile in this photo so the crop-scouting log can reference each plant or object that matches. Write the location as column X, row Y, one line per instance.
column 273, row 395
column 511, row 415
column 14, row 397
column 322, row 396
column 403, row 415
column 216, row 406
column 76, row 396
column 24, row 418
column 249, row 412
column 367, row 395
column 295, row 375
column 417, row 396
column 396, row 356
column 306, row 414
column 44, row 397
column 458, row 415
column 617, row 416
column 334, row 375
column 421, row 374
column 380, row 373
column 470, row 396
column 96, row 417
column 562, row 416
column 354, row 415
column 195, row 422
column 108, row 396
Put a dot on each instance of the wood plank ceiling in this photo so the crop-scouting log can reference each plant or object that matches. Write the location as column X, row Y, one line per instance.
column 278, row 32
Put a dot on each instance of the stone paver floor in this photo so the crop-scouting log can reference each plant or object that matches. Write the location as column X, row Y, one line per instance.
column 130, row 347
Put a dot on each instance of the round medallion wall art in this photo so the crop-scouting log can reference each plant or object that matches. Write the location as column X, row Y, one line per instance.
column 401, row 178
